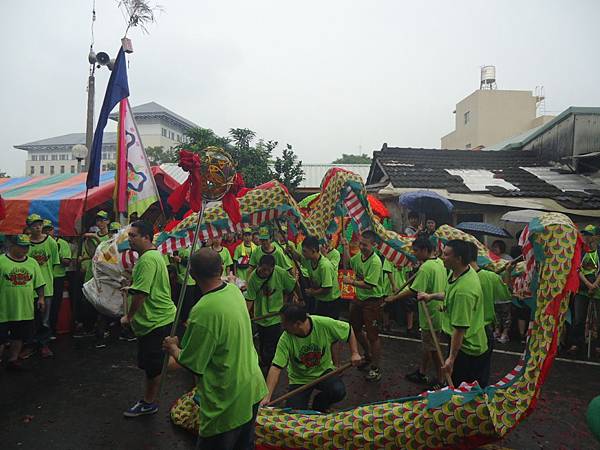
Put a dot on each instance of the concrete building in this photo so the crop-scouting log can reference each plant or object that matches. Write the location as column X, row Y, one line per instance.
column 158, row 126
column 488, row 116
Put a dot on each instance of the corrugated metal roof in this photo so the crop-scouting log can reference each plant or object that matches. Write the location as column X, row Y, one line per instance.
column 563, row 181
column 313, row 173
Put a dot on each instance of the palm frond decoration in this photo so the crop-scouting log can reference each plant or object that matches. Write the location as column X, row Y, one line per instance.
column 139, row 13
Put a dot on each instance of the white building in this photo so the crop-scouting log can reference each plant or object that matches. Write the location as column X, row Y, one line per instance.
column 158, row 127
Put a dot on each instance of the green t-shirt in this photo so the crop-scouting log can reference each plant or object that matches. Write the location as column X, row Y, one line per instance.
column 589, row 268
column 46, row 255
column 226, row 259
column 335, row 258
column 387, row 270
column 181, row 267
column 431, row 278
column 494, row 290
column 281, row 247
column 218, row 347
column 18, row 282
column 371, row 272
column 150, row 277
column 307, row 358
column 268, row 294
column 324, row 275
column 64, row 252
column 464, row 308
column 280, row 259
column 87, row 264
column 241, row 256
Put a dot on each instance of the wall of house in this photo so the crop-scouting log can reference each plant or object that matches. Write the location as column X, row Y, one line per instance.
column 157, row 133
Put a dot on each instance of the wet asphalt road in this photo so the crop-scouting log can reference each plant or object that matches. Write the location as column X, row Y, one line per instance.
column 75, row 400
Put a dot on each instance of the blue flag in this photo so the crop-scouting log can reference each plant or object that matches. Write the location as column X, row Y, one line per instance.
column 117, row 90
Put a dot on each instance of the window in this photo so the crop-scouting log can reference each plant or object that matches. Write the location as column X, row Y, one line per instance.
column 64, row 157
column 467, row 117
column 178, row 138
column 34, row 157
column 43, row 157
column 72, row 169
column 73, row 157
column 62, row 169
column 41, row 170
column 32, row 170
column 51, row 170
column 54, row 157
column 164, row 132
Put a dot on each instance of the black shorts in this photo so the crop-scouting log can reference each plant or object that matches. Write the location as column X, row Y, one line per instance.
column 20, row 330
column 328, row 309
column 150, row 352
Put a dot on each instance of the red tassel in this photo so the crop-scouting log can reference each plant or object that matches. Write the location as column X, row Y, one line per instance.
column 191, row 190
column 231, row 205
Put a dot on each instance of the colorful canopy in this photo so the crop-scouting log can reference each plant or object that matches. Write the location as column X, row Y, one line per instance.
column 59, row 198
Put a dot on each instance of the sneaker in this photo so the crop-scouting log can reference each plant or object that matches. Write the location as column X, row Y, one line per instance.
column 26, row 353
column 435, row 385
column 503, row 339
column 417, row 377
column 14, row 366
column 141, row 408
column 365, row 365
column 83, row 334
column 101, row 343
column 52, row 337
column 127, row 335
column 374, row 374
column 46, row 352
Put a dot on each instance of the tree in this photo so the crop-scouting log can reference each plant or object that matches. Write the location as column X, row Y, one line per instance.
column 158, row 155
column 4, row 175
column 252, row 161
column 288, row 170
column 353, row 159
column 200, row 138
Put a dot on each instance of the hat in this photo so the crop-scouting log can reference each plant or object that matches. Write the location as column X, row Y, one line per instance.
column 114, row 226
column 264, row 233
column 102, row 215
column 34, row 218
column 47, row 224
column 23, row 240
column 247, row 230
column 589, row 230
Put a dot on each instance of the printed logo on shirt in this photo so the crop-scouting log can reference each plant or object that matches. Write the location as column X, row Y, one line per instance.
column 310, row 355
column 40, row 256
column 19, row 277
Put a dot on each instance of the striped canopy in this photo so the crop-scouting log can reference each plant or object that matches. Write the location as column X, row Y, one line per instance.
column 59, row 198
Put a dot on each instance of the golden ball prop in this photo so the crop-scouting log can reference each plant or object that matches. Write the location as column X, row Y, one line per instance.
column 218, row 173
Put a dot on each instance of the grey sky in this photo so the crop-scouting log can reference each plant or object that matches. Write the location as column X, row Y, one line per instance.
column 328, row 77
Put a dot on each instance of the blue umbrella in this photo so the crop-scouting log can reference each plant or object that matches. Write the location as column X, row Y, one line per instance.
column 483, row 228
column 427, row 202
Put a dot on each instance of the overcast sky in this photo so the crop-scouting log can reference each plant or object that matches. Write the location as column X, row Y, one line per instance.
column 327, row 76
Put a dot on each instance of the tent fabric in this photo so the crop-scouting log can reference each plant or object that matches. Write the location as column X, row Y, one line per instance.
column 59, row 198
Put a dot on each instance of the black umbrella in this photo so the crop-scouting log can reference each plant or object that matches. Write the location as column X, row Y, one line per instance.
column 483, row 228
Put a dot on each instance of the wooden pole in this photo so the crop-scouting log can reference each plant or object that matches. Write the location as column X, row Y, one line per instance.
column 437, row 345
column 311, row 384
column 410, row 280
column 266, row 316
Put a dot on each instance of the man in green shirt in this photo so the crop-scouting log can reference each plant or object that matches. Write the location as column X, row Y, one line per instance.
column 217, row 246
column 242, row 254
column 21, row 280
column 304, row 349
column 332, row 254
column 431, row 277
column 269, row 287
column 323, row 278
column 44, row 250
column 60, row 272
column 150, row 313
column 468, row 359
column 268, row 248
column 366, row 309
column 217, row 347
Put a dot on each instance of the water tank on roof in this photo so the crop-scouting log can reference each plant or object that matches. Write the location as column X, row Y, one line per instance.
column 488, row 77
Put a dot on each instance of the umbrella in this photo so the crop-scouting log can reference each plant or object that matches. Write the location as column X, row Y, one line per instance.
column 426, row 202
column 483, row 228
column 522, row 215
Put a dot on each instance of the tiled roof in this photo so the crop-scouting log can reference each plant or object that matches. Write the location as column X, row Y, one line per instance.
column 66, row 141
column 153, row 109
column 510, row 173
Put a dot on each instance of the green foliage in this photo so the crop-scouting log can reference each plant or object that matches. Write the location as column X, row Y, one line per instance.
column 158, row 155
column 252, row 161
column 353, row 159
column 288, row 169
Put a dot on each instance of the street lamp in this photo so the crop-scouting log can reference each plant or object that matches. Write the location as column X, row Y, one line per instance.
column 80, row 152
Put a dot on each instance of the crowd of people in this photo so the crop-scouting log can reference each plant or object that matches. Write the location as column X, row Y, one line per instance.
column 286, row 292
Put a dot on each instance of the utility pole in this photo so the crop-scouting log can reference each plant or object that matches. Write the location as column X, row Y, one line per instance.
column 89, row 129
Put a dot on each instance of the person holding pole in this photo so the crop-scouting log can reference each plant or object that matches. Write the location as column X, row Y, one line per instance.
column 269, row 287
column 431, row 277
column 217, row 347
column 150, row 313
column 304, row 349
column 468, row 357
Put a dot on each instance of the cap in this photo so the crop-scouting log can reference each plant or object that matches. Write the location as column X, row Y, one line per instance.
column 47, row 224
column 114, row 226
column 34, row 218
column 264, row 233
column 247, row 230
column 589, row 230
column 102, row 215
column 22, row 240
